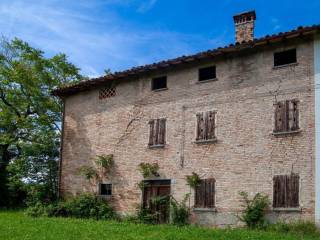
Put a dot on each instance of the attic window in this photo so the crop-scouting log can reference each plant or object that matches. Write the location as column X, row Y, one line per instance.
column 207, row 73
column 285, row 57
column 159, row 83
column 107, row 92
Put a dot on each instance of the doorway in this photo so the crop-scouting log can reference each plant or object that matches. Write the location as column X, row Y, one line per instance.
column 156, row 198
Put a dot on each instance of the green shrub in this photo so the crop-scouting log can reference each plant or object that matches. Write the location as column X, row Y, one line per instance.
column 148, row 169
column 193, row 180
column 145, row 215
column 37, row 210
column 87, row 172
column 254, row 211
column 105, row 161
column 82, row 206
column 298, row 228
column 179, row 211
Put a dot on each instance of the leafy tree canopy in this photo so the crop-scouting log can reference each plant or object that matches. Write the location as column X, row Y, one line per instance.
column 30, row 117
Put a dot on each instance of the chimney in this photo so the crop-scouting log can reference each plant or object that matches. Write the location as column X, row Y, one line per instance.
column 244, row 23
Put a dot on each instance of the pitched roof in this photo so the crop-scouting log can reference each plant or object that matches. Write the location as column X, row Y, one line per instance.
column 232, row 48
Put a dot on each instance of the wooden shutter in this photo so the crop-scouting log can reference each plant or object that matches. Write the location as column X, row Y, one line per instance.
column 205, row 194
column 200, row 127
column 280, row 117
column 151, row 134
column 293, row 115
column 162, row 131
column 156, row 132
column 286, row 191
column 210, row 125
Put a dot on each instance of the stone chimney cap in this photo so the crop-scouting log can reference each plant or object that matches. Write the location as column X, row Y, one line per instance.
column 244, row 17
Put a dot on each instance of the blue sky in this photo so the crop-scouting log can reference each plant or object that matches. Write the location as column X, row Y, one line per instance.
column 119, row 34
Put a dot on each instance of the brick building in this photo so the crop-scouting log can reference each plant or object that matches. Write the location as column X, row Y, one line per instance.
column 244, row 117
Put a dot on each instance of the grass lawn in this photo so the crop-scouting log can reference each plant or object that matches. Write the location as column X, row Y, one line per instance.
column 15, row 225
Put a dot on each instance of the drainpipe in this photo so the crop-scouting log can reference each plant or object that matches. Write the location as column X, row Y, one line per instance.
column 317, row 127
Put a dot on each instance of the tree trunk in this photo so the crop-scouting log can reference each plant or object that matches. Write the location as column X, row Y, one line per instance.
column 4, row 161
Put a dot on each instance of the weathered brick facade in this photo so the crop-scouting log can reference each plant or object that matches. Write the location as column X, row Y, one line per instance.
column 246, row 155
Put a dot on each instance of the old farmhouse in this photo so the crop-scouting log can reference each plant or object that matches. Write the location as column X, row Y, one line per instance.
column 245, row 117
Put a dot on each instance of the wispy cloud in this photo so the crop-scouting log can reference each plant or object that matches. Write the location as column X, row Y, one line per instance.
column 275, row 23
column 146, row 5
column 93, row 39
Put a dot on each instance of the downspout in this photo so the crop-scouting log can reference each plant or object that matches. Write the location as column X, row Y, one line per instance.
column 317, row 127
column 61, row 147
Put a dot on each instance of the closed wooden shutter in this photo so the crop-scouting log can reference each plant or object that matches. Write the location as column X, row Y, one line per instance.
column 151, row 134
column 162, row 131
column 200, row 127
column 286, row 191
column 205, row 194
column 280, row 117
column 210, row 125
column 156, row 132
column 286, row 116
column 293, row 115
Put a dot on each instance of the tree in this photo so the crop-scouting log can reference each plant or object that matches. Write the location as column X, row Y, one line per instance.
column 30, row 118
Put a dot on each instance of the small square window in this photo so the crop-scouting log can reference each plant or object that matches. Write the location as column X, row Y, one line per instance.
column 285, row 57
column 159, row 83
column 105, row 189
column 207, row 73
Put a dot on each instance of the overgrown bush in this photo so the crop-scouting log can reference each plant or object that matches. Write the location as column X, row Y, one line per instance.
column 87, row 172
column 148, row 169
column 255, row 209
column 179, row 211
column 298, row 228
column 105, row 161
column 144, row 215
column 82, row 206
column 193, row 180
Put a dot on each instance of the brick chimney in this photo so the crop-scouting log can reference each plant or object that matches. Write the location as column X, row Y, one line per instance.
column 244, row 23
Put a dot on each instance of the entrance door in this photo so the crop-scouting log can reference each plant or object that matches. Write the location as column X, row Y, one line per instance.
column 156, row 197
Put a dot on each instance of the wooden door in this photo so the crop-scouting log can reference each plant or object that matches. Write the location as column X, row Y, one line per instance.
column 156, row 197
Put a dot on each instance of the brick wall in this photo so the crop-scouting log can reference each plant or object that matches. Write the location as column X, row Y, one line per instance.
column 246, row 156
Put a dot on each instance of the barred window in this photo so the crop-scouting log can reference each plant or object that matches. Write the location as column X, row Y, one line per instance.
column 205, row 194
column 107, row 92
column 105, row 189
column 206, row 126
column 157, row 136
column 286, row 191
column 286, row 116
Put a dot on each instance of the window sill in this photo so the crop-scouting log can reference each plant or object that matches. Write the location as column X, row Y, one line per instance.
column 210, row 141
column 208, row 80
column 204, row 209
column 285, row 65
column 159, row 90
column 108, row 197
column 293, row 209
column 156, row 146
column 287, row 133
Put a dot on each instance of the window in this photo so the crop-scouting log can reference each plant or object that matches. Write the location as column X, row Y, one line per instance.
column 159, row 83
column 285, row 57
column 105, row 189
column 207, row 73
column 206, row 126
column 157, row 132
column 205, row 194
column 286, row 191
column 286, row 116
column 107, row 92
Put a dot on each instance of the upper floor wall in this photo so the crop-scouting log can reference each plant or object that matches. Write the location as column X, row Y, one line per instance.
column 235, row 75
